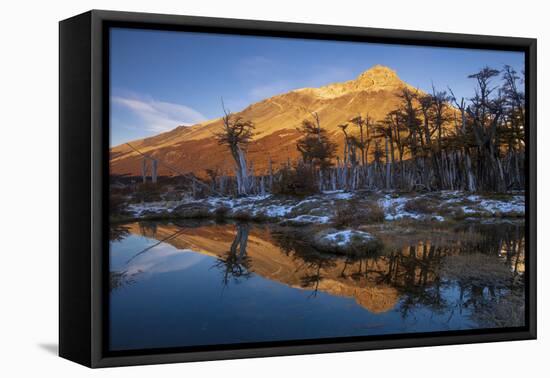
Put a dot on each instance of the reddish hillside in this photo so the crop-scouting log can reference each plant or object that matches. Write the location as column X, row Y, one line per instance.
column 194, row 149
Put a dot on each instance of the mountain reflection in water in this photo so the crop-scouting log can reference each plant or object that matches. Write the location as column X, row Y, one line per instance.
column 184, row 282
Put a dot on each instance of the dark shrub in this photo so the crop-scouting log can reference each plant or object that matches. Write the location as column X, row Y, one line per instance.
column 298, row 181
column 374, row 213
column 191, row 210
column 420, row 206
column 147, row 192
column 344, row 215
column 117, row 204
column 355, row 213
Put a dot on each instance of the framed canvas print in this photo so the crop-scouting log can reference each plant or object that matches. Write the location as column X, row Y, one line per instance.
column 233, row 188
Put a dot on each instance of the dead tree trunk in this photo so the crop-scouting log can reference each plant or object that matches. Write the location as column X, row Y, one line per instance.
column 154, row 164
column 144, row 170
column 388, row 164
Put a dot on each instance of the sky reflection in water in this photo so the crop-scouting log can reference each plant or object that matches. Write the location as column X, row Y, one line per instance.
column 203, row 284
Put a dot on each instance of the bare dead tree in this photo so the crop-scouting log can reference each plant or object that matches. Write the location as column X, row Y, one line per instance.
column 316, row 148
column 360, row 123
column 462, row 133
column 485, row 111
column 236, row 135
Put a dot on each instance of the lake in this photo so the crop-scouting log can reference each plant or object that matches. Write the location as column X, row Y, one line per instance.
column 177, row 284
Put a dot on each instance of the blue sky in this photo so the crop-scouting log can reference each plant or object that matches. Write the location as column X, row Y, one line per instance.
column 163, row 79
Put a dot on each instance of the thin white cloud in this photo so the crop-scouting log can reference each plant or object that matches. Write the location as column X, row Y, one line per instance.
column 159, row 116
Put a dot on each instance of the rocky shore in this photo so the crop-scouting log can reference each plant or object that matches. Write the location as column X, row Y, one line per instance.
column 340, row 220
column 327, row 207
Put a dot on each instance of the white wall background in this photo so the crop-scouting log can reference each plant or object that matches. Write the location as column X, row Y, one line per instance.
column 29, row 187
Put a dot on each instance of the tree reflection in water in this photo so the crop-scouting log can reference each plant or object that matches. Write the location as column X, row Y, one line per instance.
column 235, row 263
column 483, row 263
column 118, row 232
column 471, row 269
column 309, row 262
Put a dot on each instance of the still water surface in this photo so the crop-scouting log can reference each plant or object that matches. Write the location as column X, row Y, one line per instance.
column 202, row 283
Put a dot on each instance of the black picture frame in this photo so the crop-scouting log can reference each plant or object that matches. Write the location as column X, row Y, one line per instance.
column 83, row 122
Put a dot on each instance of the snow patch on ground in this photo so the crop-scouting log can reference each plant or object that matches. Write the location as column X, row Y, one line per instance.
column 338, row 194
column 516, row 204
column 278, row 211
column 266, row 206
column 452, row 196
column 343, row 238
column 394, row 208
column 138, row 209
column 306, row 218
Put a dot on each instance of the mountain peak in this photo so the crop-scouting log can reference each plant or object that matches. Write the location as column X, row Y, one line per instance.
column 376, row 78
column 379, row 74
